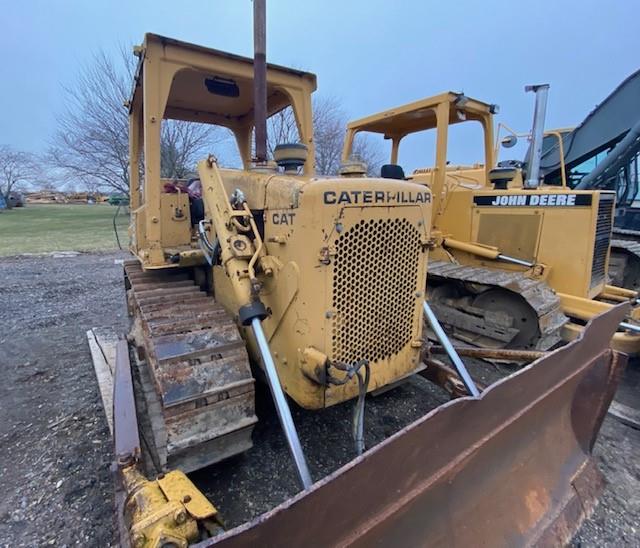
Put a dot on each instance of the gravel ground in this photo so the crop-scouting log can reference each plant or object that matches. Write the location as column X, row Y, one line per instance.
column 55, row 447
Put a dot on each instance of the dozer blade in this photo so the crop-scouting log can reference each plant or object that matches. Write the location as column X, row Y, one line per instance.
column 511, row 468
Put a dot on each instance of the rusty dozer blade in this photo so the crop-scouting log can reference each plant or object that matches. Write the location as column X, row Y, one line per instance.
column 510, row 468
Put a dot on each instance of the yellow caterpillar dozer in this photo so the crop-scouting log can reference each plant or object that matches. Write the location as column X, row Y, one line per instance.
column 514, row 264
column 266, row 273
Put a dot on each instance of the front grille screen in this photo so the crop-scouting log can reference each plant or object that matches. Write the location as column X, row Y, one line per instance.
column 374, row 286
column 602, row 239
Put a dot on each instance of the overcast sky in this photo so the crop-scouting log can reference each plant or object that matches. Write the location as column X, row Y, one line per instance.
column 371, row 54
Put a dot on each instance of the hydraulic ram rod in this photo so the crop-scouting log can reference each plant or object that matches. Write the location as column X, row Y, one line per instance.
column 630, row 327
column 284, row 413
column 514, row 260
column 450, row 350
column 487, row 252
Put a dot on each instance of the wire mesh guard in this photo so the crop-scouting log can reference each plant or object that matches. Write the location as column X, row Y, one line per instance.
column 374, row 286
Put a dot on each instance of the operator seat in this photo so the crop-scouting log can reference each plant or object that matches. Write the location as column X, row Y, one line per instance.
column 392, row 171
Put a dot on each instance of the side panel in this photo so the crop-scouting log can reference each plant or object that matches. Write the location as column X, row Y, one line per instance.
column 515, row 234
column 567, row 240
column 175, row 220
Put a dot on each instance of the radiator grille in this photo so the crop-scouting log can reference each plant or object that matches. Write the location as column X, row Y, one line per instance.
column 375, row 281
column 602, row 239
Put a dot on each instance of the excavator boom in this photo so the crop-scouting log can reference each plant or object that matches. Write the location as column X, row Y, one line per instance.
column 605, row 127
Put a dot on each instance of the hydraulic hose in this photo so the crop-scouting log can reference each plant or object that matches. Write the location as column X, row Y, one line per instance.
column 358, row 415
column 363, row 387
column 115, row 228
column 211, row 250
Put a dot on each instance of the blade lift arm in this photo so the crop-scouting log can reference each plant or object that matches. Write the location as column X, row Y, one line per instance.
column 468, row 382
column 232, row 222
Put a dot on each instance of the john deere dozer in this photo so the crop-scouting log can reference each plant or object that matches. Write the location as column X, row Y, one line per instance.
column 514, row 264
column 316, row 287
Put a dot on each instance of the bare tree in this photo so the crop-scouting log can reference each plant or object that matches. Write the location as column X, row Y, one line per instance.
column 368, row 151
column 92, row 136
column 46, row 183
column 91, row 144
column 184, row 143
column 329, row 123
column 91, row 186
column 16, row 168
column 281, row 128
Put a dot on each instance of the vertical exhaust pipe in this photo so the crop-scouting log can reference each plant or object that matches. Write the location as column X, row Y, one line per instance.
column 260, row 78
column 260, row 125
column 537, row 134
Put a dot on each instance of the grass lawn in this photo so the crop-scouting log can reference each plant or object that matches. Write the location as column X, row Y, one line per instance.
column 41, row 228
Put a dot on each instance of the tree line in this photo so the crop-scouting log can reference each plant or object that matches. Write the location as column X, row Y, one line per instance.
column 90, row 151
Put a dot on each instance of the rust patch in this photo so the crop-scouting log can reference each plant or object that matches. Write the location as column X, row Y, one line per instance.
column 537, row 502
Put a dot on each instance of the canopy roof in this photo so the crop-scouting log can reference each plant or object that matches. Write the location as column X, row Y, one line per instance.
column 214, row 86
column 421, row 115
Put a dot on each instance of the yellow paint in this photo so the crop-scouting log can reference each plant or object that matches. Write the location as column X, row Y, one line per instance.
column 163, row 511
column 170, row 83
column 559, row 238
column 283, row 245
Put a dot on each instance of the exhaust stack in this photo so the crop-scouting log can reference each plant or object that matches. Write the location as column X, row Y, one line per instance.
column 537, row 134
column 260, row 79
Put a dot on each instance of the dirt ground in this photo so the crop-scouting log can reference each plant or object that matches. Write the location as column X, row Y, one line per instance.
column 55, row 447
